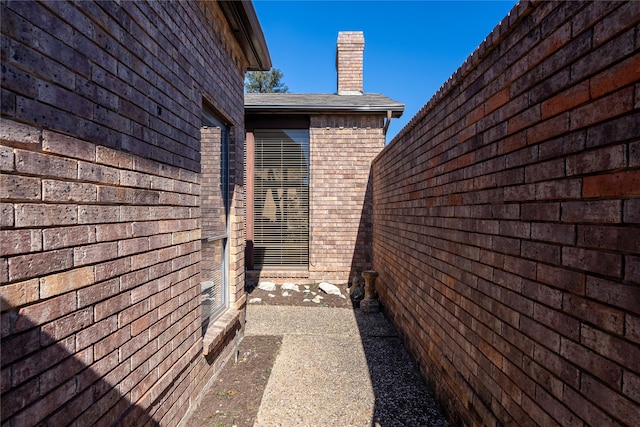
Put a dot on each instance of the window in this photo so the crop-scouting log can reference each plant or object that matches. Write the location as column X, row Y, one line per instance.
column 281, row 198
column 214, row 196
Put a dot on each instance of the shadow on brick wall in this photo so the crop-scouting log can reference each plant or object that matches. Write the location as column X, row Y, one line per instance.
column 401, row 395
column 363, row 252
column 46, row 380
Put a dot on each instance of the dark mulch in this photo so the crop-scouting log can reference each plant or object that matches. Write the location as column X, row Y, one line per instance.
column 297, row 298
column 234, row 397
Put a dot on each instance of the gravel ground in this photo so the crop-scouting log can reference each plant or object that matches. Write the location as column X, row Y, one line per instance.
column 317, row 364
column 339, row 367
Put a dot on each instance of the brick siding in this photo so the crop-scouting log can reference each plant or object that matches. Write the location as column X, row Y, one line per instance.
column 342, row 147
column 340, row 206
column 128, row 75
column 101, row 217
column 506, row 226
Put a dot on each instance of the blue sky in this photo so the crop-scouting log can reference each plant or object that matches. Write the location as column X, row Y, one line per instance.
column 411, row 47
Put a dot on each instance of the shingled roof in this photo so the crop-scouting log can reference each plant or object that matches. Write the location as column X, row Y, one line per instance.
column 309, row 103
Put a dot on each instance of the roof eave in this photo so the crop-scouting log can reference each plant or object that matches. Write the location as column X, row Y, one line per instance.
column 396, row 110
column 241, row 16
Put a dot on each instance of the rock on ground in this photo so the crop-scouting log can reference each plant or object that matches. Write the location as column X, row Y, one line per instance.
column 290, row 287
column 330, row 289
column 267, row 286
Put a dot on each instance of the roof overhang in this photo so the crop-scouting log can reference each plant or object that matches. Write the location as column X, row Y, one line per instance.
column 324, row 103
column 271, row 109
column 242, row 18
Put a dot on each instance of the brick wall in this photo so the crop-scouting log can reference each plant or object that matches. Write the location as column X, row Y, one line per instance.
column 128, row 76
column 342, row 148
column 100, row 188
column 506, row 223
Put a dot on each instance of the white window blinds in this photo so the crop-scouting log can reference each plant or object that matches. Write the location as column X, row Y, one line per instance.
column 281, row 198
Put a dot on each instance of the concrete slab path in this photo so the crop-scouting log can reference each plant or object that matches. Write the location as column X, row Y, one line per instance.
column 339, row 367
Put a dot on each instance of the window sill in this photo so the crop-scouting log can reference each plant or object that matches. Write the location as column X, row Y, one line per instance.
column 217, row 332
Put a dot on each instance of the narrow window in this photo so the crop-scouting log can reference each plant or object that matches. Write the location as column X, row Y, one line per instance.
column 214, row 197
column 281, row 198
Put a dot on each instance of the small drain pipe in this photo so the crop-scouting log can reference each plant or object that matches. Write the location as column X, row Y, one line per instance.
column 386, row 124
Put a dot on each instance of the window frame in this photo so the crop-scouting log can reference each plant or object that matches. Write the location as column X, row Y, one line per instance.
column 210, row 119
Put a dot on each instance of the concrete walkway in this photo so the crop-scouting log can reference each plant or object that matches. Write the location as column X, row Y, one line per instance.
column 339, row 367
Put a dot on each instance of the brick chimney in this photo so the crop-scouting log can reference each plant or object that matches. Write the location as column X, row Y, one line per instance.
column 349, row 60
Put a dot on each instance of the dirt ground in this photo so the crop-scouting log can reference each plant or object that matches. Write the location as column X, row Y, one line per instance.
column 234, row 398
column 298, row 298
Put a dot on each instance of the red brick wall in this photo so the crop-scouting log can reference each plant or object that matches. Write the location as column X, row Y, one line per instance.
column 126, row 75
column 340, row 205
column 100, row 189
column 506, row 223
column 341, row 148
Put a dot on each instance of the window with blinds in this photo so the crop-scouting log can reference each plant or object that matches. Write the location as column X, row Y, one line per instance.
column 281, row 198
column 214, row 203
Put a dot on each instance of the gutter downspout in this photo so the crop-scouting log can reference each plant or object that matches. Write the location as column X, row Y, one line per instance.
column 387, row 122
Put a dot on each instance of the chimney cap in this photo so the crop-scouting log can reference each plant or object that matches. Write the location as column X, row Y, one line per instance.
column 350, row 36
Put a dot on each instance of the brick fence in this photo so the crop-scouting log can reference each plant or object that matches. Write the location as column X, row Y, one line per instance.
column 507, row 222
